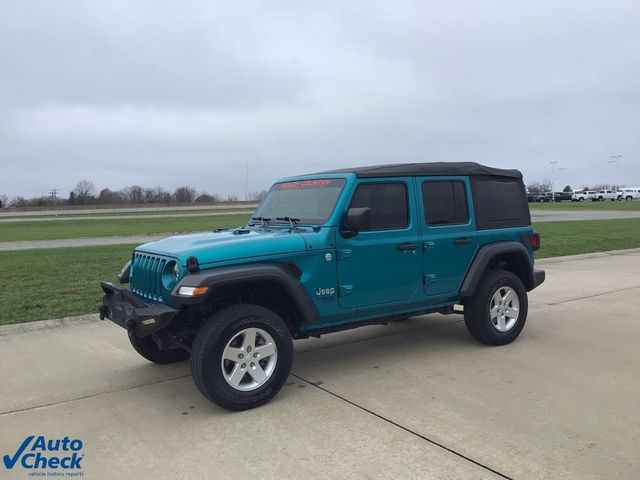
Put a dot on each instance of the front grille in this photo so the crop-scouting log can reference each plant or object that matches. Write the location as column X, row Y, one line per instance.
column 146, row 275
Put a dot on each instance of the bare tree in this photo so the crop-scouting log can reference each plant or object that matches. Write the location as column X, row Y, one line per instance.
column 18, row 202
column 231, row 199
column 540, row 187
column 107, row 196
column 163, row 196
column 4, row 201
column 185, row 194
column 84, row 191
column 534, row 187
column 258, row 195
column 546, row 185
column 133, row 194
column 207, row 198
column 156, row 195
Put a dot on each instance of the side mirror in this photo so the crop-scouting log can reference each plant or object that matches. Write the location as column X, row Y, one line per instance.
column 358, row 219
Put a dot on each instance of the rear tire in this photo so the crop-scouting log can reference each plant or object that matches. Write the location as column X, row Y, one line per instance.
column 148, row 348
column 241, row 357
column 497, row 311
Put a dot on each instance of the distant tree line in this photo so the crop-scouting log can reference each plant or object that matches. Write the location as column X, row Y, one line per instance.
column 86, row 193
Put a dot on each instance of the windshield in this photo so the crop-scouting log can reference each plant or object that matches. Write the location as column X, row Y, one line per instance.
column 305, row 201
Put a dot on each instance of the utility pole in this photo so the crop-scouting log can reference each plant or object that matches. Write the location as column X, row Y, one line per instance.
column 561, row 170
column 554, row 163
column 613, row 163
column 246, row 183
column 53, row 194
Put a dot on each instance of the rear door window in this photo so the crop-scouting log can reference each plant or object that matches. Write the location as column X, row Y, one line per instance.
column 445, row 202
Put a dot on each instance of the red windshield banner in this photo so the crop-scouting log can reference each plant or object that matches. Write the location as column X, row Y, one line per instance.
column 321, row 183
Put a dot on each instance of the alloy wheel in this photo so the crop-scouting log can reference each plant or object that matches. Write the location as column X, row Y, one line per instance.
column 249, row 359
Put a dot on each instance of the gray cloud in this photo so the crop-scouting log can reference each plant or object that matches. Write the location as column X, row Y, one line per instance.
column 167, row 93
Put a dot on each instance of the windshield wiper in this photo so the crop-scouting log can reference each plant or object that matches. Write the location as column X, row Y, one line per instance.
column 261, row 219
column 292, row 222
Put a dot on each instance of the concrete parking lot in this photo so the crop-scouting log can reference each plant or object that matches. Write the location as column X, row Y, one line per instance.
column 416, row 399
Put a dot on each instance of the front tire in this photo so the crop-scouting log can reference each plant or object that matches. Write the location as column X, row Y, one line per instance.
column 497, row 311
column 148, row 348
column 241, row 357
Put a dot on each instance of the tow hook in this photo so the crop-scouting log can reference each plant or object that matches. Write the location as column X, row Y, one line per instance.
column 104, row 311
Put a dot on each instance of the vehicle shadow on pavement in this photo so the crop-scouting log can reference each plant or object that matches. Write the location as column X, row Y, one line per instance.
column 431, row 336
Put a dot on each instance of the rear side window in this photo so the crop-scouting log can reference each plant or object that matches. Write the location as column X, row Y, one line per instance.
column 387, row 201
column 445, row 202
column 500, row 203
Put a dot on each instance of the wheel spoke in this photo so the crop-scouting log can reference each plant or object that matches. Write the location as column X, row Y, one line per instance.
column 232, row 353
column 511, row 312
column 501, row 323
column 236, row 375
column 509, row 296
column 256, row 372
column 494, row 312
column 249, row 339
column 265, row 350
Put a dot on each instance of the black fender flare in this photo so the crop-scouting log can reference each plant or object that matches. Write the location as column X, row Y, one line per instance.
column 487, row 253
column 236, row 275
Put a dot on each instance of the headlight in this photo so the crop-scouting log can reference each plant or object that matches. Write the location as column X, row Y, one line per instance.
column 170, row 274
column 176, row 273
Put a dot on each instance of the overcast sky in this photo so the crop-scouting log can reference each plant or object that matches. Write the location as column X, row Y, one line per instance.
column 172, row 93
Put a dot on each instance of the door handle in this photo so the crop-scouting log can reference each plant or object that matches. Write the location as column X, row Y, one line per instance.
column 403, row 247
column 462, row 241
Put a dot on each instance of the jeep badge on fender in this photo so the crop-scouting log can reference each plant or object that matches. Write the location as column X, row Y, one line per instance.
column 393, row 240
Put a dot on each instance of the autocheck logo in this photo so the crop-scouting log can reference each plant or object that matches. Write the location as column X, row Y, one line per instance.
column 40, row 453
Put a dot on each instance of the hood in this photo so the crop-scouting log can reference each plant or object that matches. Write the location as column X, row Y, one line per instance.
column 210, row 247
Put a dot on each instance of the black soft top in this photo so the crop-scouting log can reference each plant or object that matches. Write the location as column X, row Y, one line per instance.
column 427, row 169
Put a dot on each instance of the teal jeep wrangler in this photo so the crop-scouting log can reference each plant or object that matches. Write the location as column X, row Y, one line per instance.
column 328, row 252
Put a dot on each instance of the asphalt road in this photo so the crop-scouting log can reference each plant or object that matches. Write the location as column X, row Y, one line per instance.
column 416, row 399
column 576, row 215
column 536, row 216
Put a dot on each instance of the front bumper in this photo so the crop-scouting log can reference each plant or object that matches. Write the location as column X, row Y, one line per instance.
column 125, row 309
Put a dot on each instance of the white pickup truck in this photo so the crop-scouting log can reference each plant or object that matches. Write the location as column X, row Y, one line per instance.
column 603, row 195
column 581, row 196
column 630, row 193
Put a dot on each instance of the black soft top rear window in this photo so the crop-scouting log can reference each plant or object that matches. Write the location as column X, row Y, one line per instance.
column 500, row 203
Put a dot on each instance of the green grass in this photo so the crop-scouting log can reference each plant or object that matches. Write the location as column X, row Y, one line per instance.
column 41, row 284
column 54, row 283
column 633, row 206
column 60, row 229
column 572, row 238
